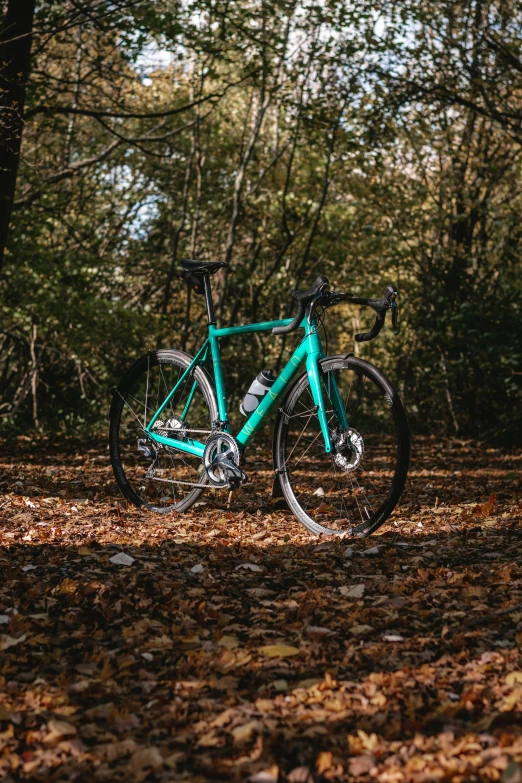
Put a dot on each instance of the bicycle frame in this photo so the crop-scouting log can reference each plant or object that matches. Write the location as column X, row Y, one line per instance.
column 308, row 353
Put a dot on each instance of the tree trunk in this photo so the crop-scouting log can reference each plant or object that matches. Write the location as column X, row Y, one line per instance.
column 15, row 59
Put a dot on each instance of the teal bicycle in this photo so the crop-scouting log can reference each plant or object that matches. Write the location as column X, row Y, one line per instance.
column 340, row 443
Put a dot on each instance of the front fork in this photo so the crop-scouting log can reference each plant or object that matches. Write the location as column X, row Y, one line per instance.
column 317, row 382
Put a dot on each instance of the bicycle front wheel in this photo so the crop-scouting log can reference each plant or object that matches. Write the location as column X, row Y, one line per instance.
column 150, row 474
column 354, row 489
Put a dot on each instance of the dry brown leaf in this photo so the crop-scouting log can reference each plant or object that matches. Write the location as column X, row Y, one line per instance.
column 278, row 650
column 146, row 758
column 243, row 733
column 317, row 632
column 512, row 678
column 361, row 765
column 58, row 729
column 323, row 762
column 481, row 509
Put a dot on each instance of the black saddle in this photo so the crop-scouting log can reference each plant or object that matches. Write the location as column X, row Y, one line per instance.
column 306, row 296
column 201, row 267
column 196, row 273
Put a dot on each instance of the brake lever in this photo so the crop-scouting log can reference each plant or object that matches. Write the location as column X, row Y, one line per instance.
column 395, row 316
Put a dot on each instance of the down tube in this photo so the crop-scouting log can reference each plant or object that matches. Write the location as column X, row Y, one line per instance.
column 255, row 421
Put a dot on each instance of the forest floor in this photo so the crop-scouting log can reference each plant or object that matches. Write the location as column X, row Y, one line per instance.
column 236, row 646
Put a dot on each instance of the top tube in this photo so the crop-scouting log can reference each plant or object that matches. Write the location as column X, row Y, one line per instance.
column 262, row 326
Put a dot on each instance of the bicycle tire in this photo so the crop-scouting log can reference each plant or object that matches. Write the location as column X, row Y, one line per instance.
column 123, row 392
column 309, row 513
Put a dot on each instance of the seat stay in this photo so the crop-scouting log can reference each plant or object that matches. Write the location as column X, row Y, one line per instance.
column 203, row 351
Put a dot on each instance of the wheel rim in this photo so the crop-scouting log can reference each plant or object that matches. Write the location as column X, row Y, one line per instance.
column 350, row 490
column 161, row 477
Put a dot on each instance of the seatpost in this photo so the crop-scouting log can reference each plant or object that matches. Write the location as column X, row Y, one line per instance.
column 208, row 299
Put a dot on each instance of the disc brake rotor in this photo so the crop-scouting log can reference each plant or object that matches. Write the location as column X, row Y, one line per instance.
column 349, row 450
column 174, row 427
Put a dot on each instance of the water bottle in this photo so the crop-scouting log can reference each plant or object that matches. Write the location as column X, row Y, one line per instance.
column 258, row 388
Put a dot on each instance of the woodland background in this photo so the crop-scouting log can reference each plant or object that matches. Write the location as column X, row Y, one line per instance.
column 371, row 142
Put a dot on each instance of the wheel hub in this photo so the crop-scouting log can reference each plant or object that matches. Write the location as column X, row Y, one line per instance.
column 174, row 427
column 349, row 450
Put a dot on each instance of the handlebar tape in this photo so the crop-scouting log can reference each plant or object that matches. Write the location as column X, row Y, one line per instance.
column 380, row 306
column 374, row 331
column 294, row 324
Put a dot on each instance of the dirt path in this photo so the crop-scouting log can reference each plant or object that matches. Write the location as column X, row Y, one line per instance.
column 236, row 646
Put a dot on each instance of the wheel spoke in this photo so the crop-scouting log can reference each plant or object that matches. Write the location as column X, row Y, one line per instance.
column 331, row 492
column 159, row 476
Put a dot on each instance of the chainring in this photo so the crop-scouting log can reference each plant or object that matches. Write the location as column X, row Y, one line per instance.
column 221, row 443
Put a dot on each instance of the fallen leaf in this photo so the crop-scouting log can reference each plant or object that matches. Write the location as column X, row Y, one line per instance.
column 512, row 678
column 260, row 592
column 481, row 509
column 361, row 765
column 323, row 762
column 317, row 632
column 144, row 758
column 278, row 650
column 249, row 567
column 356, row 591
column 513, row 700
column 360, row 629
column 10, row 641
column 121, row 559
column 174, row 759
column 229, row 642
column 269, row 775
column 300, row 775
column 67, row 587
column 59, row 729
column 243, row 733
column 209, row 740
column 115, row 750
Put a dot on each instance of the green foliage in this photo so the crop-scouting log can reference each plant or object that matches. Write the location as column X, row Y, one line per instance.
column 308, row 139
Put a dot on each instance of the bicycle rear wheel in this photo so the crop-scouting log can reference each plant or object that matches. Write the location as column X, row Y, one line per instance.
column 354, row 489
column 149, row 474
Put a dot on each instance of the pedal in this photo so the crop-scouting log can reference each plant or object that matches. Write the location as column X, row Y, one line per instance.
column 233, row 472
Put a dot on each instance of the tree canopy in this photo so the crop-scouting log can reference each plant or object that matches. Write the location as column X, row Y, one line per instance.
column 370, row 143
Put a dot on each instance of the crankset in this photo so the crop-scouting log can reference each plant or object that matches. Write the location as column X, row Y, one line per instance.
column 221, row 461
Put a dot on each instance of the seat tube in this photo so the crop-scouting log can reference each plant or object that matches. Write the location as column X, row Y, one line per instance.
column 315, row 353
column 218, row 376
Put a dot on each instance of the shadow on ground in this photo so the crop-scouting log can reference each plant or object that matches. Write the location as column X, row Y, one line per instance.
column 234, row 645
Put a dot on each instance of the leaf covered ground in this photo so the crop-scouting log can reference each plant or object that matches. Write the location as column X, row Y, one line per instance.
column 230, row 644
